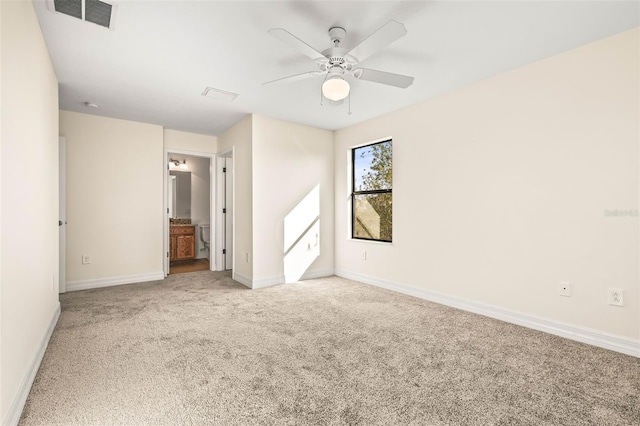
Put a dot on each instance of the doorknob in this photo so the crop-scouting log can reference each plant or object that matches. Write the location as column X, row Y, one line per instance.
column 59, row 223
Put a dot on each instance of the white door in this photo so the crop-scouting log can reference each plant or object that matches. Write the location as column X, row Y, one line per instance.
column 228, row 216
column 170, row 187
column 62, row 214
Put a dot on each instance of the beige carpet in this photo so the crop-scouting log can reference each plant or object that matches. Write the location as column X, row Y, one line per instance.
column 201, row 349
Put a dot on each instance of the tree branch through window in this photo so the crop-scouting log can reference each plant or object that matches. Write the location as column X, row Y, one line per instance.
column 371, row 198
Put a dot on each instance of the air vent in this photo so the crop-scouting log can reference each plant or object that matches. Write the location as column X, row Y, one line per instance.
column 218, row 94
column 69, row 7
column 98, row 12
column 94, row 11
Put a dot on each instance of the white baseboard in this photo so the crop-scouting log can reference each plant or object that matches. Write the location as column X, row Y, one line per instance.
column 601, row 339
column 241, row 279
column 15, row 411
column 277, row 280
column 267, row 282
column 310, row 275
column 111, row 281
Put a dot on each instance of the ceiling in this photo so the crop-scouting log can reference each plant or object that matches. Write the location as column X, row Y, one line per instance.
column 158, row 58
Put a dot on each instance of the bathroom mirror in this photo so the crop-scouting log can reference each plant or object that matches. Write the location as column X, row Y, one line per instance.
column 180, row 195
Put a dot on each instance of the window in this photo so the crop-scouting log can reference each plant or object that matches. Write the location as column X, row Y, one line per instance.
column 371, row 198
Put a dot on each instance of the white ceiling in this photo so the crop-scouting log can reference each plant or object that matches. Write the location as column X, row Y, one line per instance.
column 161, row 55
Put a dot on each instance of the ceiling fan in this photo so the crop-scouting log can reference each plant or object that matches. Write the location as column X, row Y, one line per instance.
column 336, row 62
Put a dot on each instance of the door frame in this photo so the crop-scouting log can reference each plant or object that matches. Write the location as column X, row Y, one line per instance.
column 165, row 204
column 220, row 225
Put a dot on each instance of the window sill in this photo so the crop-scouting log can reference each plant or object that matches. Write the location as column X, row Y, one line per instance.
column 358, row 240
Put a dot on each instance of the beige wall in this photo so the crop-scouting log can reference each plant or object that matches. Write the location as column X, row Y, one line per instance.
column 174, row 139
column 239, row 138
column 501, row 188
column 114, row 196
column 267, row 153
column 29, row 176
column 289, row 161
column 2, row 403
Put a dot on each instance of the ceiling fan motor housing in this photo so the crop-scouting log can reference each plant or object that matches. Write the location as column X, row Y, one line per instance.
column 337, row 56
column 337, row 34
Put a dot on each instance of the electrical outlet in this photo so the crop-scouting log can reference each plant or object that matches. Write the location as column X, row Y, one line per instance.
column 616, row 296
column 86, row 259
column 564, row 289
column 364, row 255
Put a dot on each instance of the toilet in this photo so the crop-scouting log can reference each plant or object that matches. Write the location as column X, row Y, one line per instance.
column 205, row 235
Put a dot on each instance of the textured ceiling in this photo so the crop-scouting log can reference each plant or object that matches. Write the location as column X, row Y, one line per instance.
column 161, row 55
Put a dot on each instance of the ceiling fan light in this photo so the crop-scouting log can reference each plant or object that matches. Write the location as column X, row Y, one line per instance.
column 335, row 88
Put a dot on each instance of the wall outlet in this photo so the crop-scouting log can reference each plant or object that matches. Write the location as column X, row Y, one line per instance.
column 86, row 259
column 364, row 255
column 615, row 296
column 564, row 289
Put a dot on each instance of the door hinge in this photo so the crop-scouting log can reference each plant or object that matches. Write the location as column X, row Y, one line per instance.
column 224, row 210
column 167, row 210
column 224, row 251
column 224, row 170
column 167, row 254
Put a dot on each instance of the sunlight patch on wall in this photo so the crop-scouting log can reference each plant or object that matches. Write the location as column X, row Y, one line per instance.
column 302, row 236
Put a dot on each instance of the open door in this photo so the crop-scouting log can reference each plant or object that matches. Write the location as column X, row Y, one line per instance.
column 62, row 214
column 224, row 217
column 228, row 214
column 169, row 194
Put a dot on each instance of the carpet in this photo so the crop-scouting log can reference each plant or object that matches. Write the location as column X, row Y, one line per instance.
column 202, row 349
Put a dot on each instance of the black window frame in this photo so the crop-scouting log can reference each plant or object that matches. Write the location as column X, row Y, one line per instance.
column 354, row 193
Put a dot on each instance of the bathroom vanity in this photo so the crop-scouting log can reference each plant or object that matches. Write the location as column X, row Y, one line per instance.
column 182, row 242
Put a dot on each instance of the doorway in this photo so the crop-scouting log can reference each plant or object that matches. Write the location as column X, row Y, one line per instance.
column 188, row 183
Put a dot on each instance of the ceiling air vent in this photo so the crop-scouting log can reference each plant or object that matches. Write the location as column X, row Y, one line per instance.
column 218, row 94
column 98, row 12
column 69, row 7
column 95, row 11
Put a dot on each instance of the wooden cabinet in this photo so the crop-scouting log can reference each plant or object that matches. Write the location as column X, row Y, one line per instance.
column 182, row 242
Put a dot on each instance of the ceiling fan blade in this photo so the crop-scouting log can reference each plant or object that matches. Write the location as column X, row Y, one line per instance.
column 384, row 36
column 296, row 77
column 382, row 77
column 294, row 42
